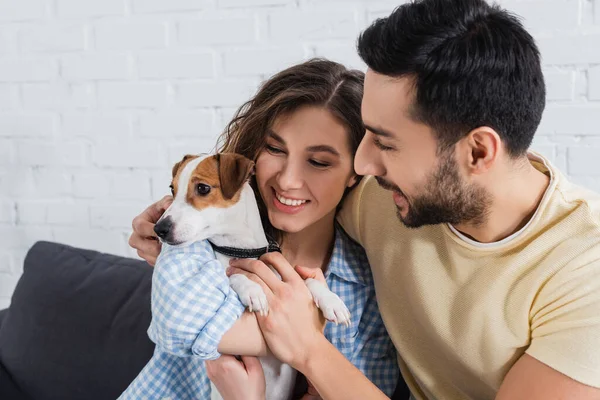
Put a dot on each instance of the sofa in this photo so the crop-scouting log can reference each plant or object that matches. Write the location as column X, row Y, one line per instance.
column 76, row 326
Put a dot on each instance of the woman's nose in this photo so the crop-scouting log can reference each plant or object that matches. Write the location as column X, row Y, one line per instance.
column 290, row 177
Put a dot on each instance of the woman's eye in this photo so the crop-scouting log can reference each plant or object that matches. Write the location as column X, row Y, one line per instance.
column 203, row 189
column 318, row 164
column 273, row 150
column 172, row 190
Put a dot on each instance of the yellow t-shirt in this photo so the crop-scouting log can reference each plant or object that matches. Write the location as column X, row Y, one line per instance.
column 461, row 313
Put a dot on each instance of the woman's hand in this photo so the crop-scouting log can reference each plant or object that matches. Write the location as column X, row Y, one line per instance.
column 143, row 238
column 244, row 380
column 293, row 327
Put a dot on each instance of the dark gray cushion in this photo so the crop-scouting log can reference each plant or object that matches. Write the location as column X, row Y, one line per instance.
column 76, row 326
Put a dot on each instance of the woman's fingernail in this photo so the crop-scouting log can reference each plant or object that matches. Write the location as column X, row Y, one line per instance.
column 228, row 270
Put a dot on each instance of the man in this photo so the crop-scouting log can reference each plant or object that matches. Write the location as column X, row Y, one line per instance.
column 486, row 260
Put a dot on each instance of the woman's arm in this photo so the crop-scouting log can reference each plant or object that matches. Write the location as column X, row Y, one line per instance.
column 244, row 338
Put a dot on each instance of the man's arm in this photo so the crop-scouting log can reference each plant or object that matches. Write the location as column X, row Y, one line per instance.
column 530, row 379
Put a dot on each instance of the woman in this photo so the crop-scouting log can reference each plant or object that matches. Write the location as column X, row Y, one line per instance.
column 303, row 128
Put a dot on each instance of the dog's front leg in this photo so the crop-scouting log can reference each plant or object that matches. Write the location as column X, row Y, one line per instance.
column 332, row 307
column 250, row 293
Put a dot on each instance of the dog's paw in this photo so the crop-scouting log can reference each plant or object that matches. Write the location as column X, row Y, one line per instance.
column 250, row 293
column 332, row 307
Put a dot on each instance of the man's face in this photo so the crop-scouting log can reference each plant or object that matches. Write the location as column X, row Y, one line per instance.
column 428, row 186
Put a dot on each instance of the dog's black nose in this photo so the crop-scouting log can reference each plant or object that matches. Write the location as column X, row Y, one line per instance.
column 163, row 227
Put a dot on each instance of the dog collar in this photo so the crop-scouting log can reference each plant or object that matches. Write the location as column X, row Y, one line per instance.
column 245, row 253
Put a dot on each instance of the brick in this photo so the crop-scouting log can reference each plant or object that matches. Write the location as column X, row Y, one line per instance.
column 160, row 181
column 8, row 40
column 89, row 8
column 131, row 36
column 21, row 10
column 130, row 154
column 91, row 185
column 178, row 124
column 164, row 6
column 597, row 12
column 594, row 82
column 5, row 300
column 130, row 186
column 9, row 96
column 588, row 182
column 570, row 120
column 7, row 212
column 234, row 30
column 31, row 212
column 313, row 25
column 23, row 236
column 344, row 54
column 6, row 266
column 51, row 183
column 96, row 126
column 56, row 38
column 8, row 282
column 68, row 214
column 17, row 183
column 114, row 216
column 95, row 67
column 215, row 94
column 583, row 160
column 570, row 50
column 197, row 146
column 6, row 152
column 28, row 69
column 27, row 125
column 559, row 85
column 248, row 62
column 52, row 153
column 103, row 240
column 253, row 3
column 57, row 96
column 132, row 95
column 166, row 66
column 546, row 14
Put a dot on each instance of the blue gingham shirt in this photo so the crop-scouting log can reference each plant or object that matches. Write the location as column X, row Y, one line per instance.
column 193, row 306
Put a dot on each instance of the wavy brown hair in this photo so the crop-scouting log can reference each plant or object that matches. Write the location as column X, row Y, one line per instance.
column 316, row 82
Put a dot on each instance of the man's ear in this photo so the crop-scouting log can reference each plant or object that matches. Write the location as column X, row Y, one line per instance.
column 234, row 171
column 181, row 163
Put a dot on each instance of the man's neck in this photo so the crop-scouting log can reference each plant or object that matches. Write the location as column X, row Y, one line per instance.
column 514, row 203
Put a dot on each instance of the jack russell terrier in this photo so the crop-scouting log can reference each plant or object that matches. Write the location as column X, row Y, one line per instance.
column 213, row 201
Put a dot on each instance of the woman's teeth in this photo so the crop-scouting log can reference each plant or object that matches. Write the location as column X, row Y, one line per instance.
column 289, row 202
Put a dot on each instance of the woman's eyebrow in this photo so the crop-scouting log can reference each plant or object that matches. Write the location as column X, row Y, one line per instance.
column 275, row 137
column 325, row 148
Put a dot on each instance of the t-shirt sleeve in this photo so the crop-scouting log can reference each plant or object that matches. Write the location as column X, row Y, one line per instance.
column 348, row 216
column 565, row 322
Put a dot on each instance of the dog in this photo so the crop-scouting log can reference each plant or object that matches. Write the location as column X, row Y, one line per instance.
column 212, row 200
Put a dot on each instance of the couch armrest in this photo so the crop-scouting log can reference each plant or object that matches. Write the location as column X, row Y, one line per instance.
column 8, row 387
column 2, row 315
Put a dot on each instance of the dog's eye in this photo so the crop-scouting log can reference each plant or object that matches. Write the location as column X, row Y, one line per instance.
column 203, row 189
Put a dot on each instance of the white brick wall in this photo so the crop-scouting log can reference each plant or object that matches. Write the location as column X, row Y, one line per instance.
column 99, row 97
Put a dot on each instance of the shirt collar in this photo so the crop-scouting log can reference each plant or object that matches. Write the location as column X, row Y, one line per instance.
column 348, row 261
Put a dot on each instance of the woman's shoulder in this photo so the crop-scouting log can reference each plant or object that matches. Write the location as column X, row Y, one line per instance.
column 351, row 257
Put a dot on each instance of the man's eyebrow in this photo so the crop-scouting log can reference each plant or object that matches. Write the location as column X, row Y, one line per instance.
column 379, row 131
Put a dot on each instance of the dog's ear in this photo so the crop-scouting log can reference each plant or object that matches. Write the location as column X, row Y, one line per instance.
column 180, row 163
column 234, row 171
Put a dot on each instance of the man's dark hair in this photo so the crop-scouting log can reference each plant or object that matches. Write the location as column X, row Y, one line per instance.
column 473, row 65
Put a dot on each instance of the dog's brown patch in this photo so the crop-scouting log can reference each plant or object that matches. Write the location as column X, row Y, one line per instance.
column 178, row 167
column 225, row 174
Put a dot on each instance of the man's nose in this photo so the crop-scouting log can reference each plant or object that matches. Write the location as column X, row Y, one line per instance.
column 367, row 160
column 163, row 227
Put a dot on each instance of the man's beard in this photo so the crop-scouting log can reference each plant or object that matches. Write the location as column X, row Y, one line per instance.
column 445, row 199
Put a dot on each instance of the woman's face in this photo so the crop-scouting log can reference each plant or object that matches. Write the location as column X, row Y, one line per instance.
column 304, row 168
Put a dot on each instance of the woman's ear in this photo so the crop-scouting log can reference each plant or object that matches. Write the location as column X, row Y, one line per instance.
column 352, row 181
